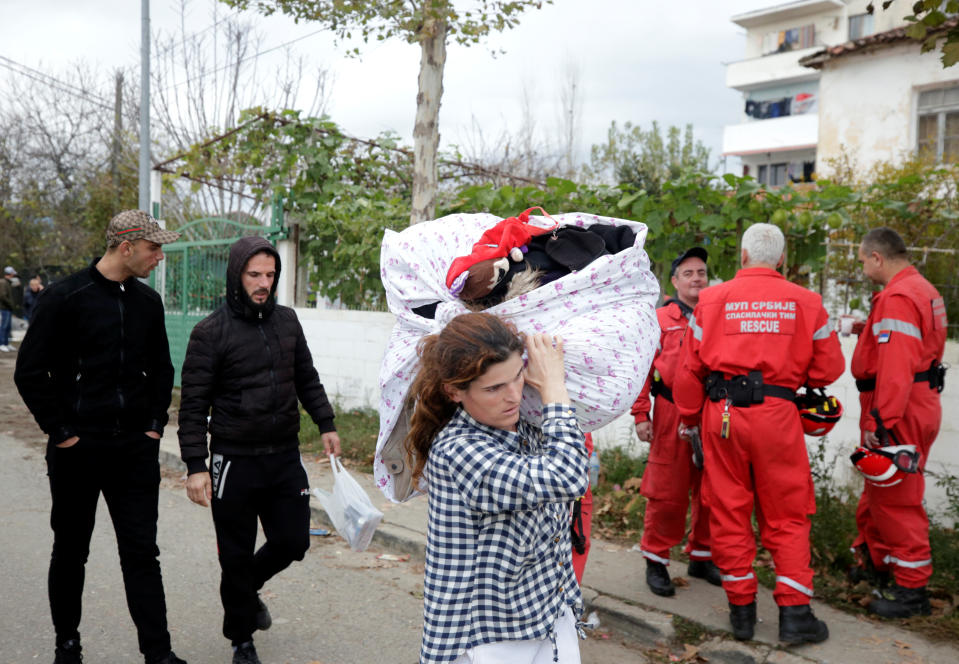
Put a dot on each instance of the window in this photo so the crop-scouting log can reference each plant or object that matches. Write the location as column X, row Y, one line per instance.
column 937, row 134
column 789, row 40
column 777, row 175
column 773, row 175
column 860, row 26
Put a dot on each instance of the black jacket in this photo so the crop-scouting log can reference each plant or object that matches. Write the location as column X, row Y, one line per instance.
column 95, row 360
column 250, row 364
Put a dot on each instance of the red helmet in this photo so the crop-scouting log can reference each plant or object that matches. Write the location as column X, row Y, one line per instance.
column 886, row 466
column 818, row 411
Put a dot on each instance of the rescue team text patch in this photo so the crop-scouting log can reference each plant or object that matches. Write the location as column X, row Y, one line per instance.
column 760, row 317
column 884, row 336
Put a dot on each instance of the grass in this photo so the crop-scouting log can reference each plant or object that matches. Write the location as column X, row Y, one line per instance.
column 357, row 428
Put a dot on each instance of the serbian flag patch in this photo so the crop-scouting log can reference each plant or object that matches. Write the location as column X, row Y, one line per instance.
column 883, row 337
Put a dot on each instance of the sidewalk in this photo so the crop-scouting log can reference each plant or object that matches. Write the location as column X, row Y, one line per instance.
column 614, row 586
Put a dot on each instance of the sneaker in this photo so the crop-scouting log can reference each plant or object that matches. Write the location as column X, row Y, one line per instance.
column 705, row 569
column 798, row 624
column 899, row 602
column 657, row 578
column 68, row 652
column 245, row 653
column 5, row 348
column 263, row 618
column 743, row 619
column 169, row 658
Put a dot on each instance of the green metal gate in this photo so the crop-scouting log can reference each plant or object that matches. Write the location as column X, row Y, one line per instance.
column 193, row 279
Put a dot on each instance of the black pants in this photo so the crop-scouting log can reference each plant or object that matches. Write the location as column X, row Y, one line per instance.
column 275, row 489
column 124, row 468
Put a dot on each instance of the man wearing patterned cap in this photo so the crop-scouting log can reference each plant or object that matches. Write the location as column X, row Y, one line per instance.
column 95, row 371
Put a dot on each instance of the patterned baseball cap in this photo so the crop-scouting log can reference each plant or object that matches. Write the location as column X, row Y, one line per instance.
column 136, row 225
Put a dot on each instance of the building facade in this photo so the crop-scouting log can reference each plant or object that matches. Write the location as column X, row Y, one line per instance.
column 881, row 100
column 778, row 137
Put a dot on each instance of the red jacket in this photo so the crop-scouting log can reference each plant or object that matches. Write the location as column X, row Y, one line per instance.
column 905, row 332
column 672, row 325
column 757, row 321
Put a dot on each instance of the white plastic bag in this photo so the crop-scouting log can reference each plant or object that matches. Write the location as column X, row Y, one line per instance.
column 349, row 508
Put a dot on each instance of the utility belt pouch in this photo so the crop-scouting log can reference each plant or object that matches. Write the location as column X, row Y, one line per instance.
column 740, row 390
column 937, row 376
column 715, row 386
column 656, row 387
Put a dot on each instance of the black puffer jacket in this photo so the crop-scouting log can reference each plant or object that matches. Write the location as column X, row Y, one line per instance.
column 250, row 364
column 96, row 360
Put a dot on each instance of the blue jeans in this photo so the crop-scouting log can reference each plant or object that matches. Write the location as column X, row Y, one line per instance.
column 5, row 315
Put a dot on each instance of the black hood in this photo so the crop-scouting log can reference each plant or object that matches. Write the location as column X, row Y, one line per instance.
column 236, row 297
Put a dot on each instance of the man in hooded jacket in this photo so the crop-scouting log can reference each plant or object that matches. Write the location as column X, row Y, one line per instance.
column 246, row 366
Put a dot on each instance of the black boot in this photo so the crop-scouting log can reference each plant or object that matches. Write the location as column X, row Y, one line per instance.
column 169, row 658
column 899, row 602
column 705, row 569
column 263, row 618
column 245, row 653
column 68, row 652
column 798, row 624
column 866, row 571
column 743, row 619
column 657, row 578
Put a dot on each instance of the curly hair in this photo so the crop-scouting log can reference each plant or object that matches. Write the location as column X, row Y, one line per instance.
column 461, row 353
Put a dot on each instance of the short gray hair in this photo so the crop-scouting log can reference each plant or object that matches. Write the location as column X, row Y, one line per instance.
column 764, row 243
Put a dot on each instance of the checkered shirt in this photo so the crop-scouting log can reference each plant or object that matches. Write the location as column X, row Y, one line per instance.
column 498, row 551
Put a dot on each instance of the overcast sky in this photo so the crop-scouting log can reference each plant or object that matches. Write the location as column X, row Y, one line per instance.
column 638, row 61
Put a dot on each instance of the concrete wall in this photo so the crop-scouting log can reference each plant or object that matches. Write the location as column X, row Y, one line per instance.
column 347, row 349
column 348, row 346
column 882, row 87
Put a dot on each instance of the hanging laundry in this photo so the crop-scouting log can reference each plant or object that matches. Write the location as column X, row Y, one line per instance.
column 804, row 102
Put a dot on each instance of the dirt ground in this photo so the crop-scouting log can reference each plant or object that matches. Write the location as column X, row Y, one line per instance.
column 15, row 419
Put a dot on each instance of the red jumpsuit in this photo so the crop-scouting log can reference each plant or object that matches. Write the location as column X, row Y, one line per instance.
column 758, row 321
column 586, row 507
column 905, row 332
column 670, row 474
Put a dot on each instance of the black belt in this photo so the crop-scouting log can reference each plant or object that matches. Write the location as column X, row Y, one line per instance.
column 744, row 391
column 661, row 389
column 935, row 375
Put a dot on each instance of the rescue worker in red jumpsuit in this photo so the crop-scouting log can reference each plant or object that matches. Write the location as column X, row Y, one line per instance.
column 752, row 342
column 897, row 367
column 670, row 474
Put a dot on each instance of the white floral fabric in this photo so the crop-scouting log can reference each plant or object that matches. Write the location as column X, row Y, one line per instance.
column 604, row 312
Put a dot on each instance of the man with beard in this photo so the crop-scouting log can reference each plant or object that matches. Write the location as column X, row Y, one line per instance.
column 247, row 365
column 899, row 373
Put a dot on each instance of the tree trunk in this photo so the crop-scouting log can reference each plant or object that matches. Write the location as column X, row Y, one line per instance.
column 426, row 134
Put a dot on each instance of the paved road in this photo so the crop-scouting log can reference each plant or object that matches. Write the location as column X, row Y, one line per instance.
column 336, row 607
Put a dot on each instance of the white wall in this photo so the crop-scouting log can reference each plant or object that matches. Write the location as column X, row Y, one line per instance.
column 348, row 346
column 867, row 103
column 347, row 349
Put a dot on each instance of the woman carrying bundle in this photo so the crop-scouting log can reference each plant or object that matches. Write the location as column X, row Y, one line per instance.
column 499, row 584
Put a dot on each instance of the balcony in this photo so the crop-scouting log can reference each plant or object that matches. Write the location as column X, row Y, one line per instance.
column 794, row 132
column 776, row 69
column 786, row 12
